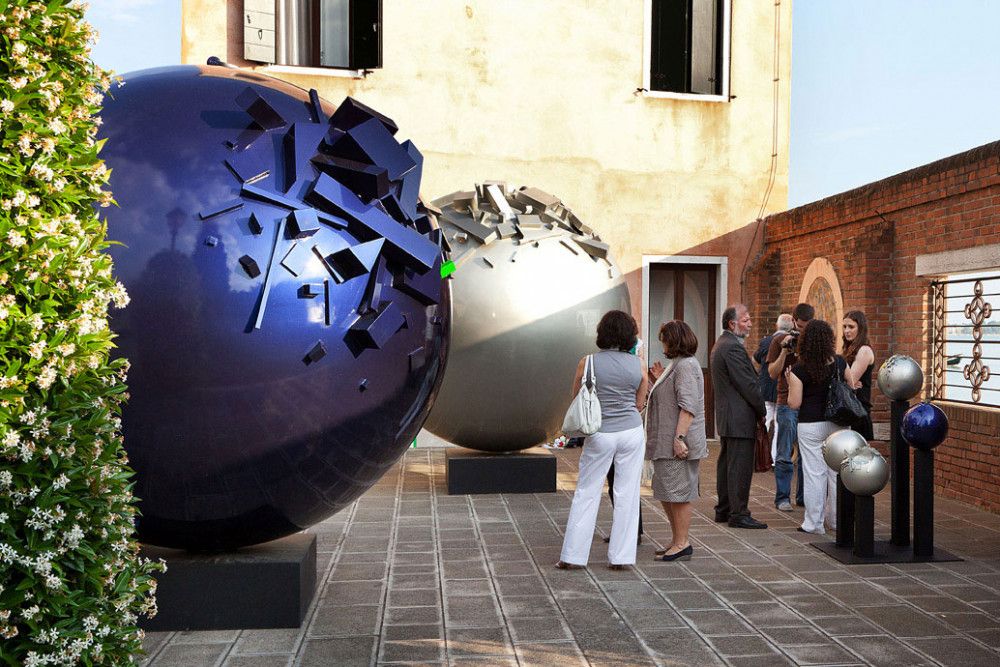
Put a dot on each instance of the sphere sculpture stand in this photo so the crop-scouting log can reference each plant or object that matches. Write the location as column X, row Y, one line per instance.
column 864, row 527
column 847, row 511
column 288, row 329
column 923, row 505
column 532, row 281
column 924, row 427
column 899, row 453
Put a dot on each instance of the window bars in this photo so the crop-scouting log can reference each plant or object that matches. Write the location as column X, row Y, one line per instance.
column 965, row 340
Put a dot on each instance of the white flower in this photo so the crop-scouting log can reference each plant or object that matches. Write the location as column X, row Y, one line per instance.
column 19, row 83
column 28, row 614
column 57, row 126
column 41, row 171
column 6, row 106
column 19, row 48
column 36, row 349
column 119, row 295
column 11, row 439
column 74, row 536
column 46, row 377
column 15, row 239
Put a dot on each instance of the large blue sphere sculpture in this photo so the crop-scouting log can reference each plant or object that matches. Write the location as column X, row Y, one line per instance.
column 289, row 324
column 925, row 426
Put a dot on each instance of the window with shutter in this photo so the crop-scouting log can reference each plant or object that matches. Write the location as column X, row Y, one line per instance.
column 337, row 34
column 688, row 46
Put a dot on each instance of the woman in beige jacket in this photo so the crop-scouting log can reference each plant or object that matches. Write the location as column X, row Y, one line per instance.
column 675, row 433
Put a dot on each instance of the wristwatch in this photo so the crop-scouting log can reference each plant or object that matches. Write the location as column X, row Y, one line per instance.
column 680, row 437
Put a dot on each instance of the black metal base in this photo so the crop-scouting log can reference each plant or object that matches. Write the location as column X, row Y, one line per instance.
column 884, row 552
column 528, row 471
column 264, row 586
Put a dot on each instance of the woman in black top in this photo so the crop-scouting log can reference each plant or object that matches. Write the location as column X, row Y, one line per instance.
column 859, row 356
column 808, row 386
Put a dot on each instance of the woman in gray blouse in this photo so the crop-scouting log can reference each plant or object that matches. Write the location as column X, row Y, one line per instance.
column 675, row 433
column 621, row 390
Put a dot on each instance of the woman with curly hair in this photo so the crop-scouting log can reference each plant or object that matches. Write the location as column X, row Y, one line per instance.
column 621, row 390
column 808, row 386
column 859, row 356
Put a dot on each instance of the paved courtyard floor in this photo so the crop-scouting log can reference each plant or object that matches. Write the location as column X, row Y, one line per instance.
column 409, row 574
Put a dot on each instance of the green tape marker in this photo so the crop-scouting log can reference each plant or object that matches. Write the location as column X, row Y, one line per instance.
column 447, row 269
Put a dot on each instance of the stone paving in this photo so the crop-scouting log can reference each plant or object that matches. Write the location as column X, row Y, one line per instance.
column 409, row 574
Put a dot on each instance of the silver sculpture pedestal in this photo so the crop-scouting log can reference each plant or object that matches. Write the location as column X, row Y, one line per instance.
column 527, row 471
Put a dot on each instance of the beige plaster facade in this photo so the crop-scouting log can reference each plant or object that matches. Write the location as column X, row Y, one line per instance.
column 545, row 94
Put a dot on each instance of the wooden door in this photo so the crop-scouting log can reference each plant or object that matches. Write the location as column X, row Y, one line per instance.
column 685, row 292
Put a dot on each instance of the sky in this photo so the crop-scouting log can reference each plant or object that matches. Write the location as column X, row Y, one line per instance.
column 878, row 86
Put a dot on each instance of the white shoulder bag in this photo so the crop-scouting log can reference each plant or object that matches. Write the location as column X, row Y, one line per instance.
column 584, row 414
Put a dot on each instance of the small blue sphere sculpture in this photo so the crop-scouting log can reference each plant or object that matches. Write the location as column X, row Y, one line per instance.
column 925, row 426
column 289, row 323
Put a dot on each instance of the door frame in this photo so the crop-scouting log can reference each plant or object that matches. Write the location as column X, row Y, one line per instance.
column 721, row 299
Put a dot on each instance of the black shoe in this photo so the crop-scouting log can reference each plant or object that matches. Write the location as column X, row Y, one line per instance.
column 683, row 554
column 721, row 518
column 746, row 522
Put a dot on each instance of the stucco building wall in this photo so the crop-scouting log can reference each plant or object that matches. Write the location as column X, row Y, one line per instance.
column 544, row 93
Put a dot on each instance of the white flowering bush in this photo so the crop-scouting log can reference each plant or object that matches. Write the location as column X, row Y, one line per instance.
column 72, row 585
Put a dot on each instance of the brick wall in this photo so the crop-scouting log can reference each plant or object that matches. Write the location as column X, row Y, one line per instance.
column 872, row 235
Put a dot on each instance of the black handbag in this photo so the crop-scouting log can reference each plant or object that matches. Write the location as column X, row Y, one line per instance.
column 842, row 405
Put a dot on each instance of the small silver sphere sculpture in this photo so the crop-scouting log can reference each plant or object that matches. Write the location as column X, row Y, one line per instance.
column 530, row 285
column 842, row 445
column 900, row 377
column 865, row 473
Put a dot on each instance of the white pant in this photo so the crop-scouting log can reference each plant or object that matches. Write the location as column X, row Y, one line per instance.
column 771, row 417
column 820, row 481
column 626, row 449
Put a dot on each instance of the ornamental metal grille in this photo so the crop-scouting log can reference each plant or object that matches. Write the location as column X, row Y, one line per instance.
column 965, row 340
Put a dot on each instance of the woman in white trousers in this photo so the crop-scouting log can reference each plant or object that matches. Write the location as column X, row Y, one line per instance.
column 621, row 389
column 808, row 387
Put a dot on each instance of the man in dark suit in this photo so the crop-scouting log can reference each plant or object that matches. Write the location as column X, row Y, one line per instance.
column 738, row 404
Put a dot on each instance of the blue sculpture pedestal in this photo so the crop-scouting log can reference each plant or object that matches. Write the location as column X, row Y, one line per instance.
column 267, row 585
column 527, row 471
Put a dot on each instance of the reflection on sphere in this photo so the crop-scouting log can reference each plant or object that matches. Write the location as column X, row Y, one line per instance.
column 900, row 377
column 865, row 473
column 532, row 282
column 841, row 445
column 924, row 426
column 288, row 323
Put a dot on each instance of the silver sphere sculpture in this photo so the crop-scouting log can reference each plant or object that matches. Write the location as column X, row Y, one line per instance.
column 900, row 377
column 866, row 473
column 531, row 283
column 842, row 445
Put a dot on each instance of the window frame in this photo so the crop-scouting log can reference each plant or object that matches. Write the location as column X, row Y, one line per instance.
column 726, row 39
column 314, row 68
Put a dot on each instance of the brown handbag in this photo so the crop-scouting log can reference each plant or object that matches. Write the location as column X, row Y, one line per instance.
column 762, row 448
